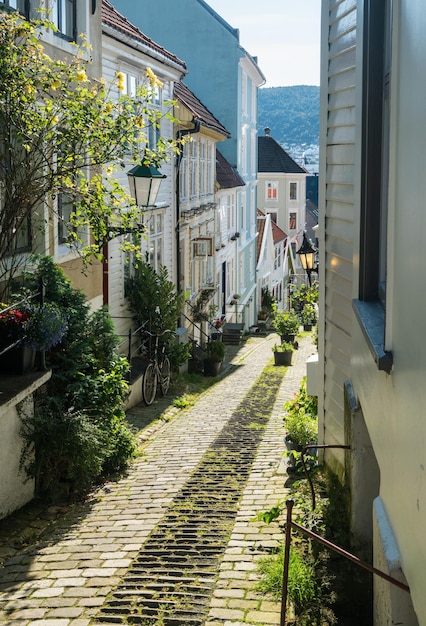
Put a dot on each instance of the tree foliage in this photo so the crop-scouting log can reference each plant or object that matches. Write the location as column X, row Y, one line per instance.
column 153, row 299
column 292, row 113
column 58, row 128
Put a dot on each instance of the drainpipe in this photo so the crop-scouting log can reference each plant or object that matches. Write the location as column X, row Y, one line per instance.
column 179, row 135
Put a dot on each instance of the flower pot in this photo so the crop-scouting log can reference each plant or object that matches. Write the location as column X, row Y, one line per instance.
column 212, row 368
column 216, row 336
column 17, row 361
column 283, row 358
column 288, row 338
column 307, row 326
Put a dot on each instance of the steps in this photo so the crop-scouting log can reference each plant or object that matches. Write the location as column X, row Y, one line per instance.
column 233, row 333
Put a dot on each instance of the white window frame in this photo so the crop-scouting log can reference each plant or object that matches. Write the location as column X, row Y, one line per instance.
column 155, row 226
column 294, row 185
column 271, row 191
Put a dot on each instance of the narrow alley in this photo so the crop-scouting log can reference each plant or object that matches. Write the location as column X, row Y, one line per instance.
column 174, row 541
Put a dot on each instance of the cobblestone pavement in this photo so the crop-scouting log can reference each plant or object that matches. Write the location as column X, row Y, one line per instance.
column 67, row 577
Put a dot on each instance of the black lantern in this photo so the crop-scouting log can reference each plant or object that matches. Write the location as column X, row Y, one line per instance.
column 307, row 254
column 144, row 183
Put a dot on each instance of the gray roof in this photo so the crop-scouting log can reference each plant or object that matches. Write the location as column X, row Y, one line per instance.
column 273, row 158
column 227, row 177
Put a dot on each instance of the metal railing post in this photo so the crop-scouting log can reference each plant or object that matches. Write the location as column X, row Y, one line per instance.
column 289, row 505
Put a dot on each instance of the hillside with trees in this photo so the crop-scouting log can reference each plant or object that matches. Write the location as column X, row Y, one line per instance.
column 292, row 113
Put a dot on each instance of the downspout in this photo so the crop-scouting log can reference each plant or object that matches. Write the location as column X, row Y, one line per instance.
column 179, row 135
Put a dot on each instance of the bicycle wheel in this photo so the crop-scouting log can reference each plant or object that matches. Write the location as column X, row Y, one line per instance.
column 149, row 384
column 165, row 376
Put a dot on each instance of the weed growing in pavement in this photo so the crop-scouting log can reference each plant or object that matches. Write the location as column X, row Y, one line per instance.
column 302, row 583
column 185, row 401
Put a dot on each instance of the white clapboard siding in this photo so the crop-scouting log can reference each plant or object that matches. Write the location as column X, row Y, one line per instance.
column 339, row 214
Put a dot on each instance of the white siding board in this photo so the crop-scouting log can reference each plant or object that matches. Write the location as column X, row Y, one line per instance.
column 342, row 98
column 344, row 80
column 339, row 233
column 337, row 282
column 339, row 210
column 344, row 134
column 342, row 211
column 340, row 154
column 339, row 193
column 339, row 9
column 340, row 173
column 341, row 117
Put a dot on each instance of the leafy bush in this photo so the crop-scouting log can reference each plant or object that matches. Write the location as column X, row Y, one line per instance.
column 301, row 418
column 78, row 430
column 153, row 299
column 215, row 351
column 286, row 322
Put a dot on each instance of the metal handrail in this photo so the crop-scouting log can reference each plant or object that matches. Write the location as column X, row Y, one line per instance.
column 331, row 546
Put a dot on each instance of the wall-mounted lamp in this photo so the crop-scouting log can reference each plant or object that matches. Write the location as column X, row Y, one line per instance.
column 307, row 254
column 144, row 184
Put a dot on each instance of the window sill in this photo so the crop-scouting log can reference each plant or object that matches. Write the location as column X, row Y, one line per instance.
column 371, row 318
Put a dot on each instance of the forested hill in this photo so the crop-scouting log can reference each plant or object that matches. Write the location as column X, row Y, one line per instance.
column 292, row 113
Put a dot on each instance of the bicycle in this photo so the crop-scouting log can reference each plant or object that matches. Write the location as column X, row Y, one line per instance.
column 157, row 372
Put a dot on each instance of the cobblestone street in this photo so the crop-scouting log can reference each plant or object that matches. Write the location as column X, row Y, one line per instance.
column 181, row 519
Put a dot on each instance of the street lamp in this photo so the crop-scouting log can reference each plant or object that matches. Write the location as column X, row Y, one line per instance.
column 307, row 253
column 144, row 183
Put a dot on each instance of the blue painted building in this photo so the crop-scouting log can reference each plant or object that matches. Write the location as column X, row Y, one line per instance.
column 226, row 78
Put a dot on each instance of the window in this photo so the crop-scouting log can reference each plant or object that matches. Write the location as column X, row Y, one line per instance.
column 65, row 209
column 293, row 191
column 271, row 191
column 130, row 83
column 193, row 151
column 370, row 308
column 203, row 168
column 156, row 241
column 292, row 220
column 64, row 16
column 211, row 167
column 23, row 6
column 277, row 259
column 232, row 224
column 183, row 174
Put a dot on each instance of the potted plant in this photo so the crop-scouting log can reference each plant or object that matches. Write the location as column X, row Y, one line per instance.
column 46, row 327
column 308, row 316
column 283, row 353
column 301, row 424
column 26, row 330
column 213, row 361
column 286, row 324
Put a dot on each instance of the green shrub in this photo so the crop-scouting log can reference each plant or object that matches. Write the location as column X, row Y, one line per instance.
column 286, row 322
column 215, row 351
column 78, row 431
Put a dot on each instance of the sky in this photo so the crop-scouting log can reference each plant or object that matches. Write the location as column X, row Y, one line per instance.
column 283, row 34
